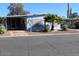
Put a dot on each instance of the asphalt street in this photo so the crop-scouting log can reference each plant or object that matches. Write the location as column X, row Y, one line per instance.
column 56, row 45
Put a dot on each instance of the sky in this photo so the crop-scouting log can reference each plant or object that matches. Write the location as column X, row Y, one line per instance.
column 42, row 8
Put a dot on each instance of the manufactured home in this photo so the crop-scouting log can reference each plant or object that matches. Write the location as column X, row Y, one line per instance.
column 23, row 22
column 32, row 23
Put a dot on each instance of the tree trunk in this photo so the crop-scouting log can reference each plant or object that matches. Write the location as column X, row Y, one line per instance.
column 52, row 27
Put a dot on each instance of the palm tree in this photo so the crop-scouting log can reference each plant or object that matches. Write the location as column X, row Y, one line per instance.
column 48, row 18
column 52, row 18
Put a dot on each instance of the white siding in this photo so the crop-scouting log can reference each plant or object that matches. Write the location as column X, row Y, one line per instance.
column 34, row 20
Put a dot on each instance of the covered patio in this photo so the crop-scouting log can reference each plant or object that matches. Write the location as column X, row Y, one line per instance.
column 15, row 23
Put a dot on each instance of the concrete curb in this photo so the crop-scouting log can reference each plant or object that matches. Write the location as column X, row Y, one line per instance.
column 43, row 35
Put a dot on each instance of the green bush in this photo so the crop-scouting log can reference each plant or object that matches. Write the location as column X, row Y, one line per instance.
column 64, row 26
column 46, row 28
column 2, row 29
column 77, row 25
column 1, row 20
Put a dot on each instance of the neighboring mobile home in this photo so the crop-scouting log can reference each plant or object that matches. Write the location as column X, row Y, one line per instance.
column 71, row 22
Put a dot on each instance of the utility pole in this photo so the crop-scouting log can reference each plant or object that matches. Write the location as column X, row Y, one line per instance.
column 70, row 15
column 68, row 10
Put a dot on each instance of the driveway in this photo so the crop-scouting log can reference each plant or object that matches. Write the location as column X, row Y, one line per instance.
column 56, row 45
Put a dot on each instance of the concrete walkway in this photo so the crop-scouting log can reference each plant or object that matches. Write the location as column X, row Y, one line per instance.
column 18, row 33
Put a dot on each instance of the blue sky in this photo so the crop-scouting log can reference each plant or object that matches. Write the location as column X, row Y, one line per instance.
column 42, row 8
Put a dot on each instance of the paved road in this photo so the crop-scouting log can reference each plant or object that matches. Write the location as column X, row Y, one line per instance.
column 61, row 45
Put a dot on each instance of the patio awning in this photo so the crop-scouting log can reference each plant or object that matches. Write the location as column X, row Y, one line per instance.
column 37, row 15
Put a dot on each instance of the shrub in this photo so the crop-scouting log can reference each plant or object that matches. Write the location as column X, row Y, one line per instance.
column 64, row 26
column 46, row 28
column 1, row 20
column 2, row 29
column 77, row 25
